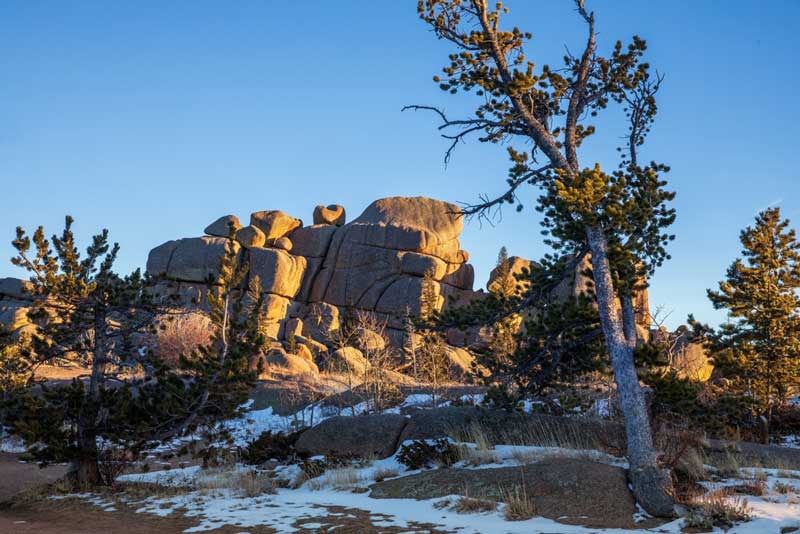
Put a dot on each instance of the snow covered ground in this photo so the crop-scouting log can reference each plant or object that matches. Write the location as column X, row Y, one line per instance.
column 287, row 510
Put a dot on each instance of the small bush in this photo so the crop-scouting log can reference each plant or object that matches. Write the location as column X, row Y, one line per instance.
column 718, row 509
column 313, row 468
column 470, row 505
column 422, row 454
column 269, row 446
column 783, row 488
column 519, row 506
column 183, row 335
column 755, row 486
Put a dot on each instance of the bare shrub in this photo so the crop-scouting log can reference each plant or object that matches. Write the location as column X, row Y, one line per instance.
column 519, row 506
column 252, row 484
column 471, row 505
column 718, row 509
column 783, row 488
column 182, row 334
column 112, row 462
column 382, row 474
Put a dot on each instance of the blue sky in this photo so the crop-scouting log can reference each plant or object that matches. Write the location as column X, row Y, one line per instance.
column 153, row 118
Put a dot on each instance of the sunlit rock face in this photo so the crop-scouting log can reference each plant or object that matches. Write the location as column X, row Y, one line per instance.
column 374, row 263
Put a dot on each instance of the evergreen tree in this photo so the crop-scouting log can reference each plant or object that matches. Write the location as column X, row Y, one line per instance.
column 17, row 364
column 90, row 315
column 505, row 284
column 759, row 349
column 618, row 217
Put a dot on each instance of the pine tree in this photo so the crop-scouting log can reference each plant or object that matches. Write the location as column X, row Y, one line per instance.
column 89, row 314
column 759, row 350
column 505, row 284
column 618, row 217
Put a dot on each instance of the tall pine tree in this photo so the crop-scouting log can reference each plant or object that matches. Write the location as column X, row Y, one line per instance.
column 758, row 350
column 88, row 314
column 618, row 217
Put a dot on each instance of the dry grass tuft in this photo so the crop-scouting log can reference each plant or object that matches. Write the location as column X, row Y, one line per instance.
column 519, row 506
column 470, row 505
column 717, row 509
column 382, row 474
column 344, row 478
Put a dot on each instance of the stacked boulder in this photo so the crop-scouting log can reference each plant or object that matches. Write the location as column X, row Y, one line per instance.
column 15, row 302
column 311, row 274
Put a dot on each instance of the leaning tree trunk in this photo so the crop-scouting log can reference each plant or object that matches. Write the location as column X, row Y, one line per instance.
column 651, row 485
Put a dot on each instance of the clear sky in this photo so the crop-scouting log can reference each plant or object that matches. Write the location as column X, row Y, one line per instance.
column 153, row 118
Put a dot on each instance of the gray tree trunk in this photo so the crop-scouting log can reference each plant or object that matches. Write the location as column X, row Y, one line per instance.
column 651, row 485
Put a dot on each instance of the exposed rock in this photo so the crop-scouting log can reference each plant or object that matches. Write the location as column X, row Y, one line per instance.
column 572, row 491
column 321, row 320
column 283, row 243
column 516, row 267
column 293, row 327
column 460, row 362
column 291, row 363
column 367, row 340
column 279, row 272
column 15, row 288
column 274, row 223
column 250, row 237
column 221, row 227
column 689, row 359
column 363, row 436
column 312, row 241
column 304, row 352
column 192, row 260
column 331, row 214
column 346, row 359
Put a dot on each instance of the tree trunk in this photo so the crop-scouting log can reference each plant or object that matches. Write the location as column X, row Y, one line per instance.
column 651, row 485
column 84, row 471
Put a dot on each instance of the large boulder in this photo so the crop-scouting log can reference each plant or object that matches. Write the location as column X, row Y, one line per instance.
column 362, row 436
column 331, row 214
column 290, row 364
column 572, row 491
column 222, row 226
column 274, row 223
column 195, row 259
column 279, row 272
column 346, row 359
column 250, row 237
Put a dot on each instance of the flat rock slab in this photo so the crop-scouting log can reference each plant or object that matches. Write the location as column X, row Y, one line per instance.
column 572, row 491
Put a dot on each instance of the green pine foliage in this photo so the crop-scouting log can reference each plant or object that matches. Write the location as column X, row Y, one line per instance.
column 758, row 349
column 88, row 314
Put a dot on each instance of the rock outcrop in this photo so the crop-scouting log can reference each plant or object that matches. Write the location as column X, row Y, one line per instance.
column 311, row 274
column 14, row 305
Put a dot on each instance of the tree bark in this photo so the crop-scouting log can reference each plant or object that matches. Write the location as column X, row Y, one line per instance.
column 651, row 485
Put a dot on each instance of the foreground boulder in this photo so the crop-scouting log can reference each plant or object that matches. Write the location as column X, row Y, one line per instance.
column 362, row 436
column 572, row 491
